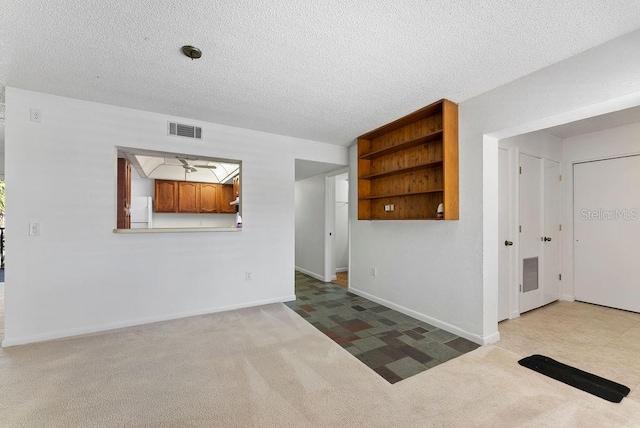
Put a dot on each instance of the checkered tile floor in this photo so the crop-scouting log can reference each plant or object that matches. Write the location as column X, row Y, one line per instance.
column 394, row 345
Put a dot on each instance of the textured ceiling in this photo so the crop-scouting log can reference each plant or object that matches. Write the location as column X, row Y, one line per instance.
column 326, row 70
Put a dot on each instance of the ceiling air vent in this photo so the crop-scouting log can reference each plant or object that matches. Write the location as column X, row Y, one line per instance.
column 185, row 130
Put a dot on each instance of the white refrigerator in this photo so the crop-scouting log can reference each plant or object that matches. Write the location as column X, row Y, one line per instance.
column 141, row 212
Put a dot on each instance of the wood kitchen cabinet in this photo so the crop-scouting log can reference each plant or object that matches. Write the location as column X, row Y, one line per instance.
column 193, row 197
column 188, row 197
column 165, row 196
column 226, row 196
column 123, row 217
column 209, row 197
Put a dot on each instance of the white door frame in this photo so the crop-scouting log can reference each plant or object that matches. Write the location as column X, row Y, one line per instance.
column 330, row 224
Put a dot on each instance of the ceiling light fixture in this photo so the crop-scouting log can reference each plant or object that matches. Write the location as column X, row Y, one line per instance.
column 191, row 52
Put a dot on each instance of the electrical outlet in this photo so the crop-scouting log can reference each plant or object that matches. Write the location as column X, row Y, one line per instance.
column 247, row 275
column 34, row 229
column 374, row 271
column 36, row 115
column 389, row 207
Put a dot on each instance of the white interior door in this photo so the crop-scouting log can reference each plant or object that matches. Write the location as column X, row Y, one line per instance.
column 505, row 241
column 551, row 233
column 607, row 232
column 530, row 215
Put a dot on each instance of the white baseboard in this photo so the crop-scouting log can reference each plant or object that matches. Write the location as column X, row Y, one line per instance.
column 568, row 298
column 131, row 323
column 481, row 340
column 344, row 269
column 492, row 338
column 311, row 274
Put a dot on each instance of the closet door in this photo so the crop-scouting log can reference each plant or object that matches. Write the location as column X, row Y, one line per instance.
column 530, row 214
column 551, row 232
column 607, row 232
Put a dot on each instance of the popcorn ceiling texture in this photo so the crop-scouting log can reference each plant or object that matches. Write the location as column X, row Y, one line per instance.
column 326, row 71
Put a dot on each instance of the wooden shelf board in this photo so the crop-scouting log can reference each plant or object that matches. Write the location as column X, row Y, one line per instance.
column 424, row 192
column 406, row 120
column 400, row 171
column 403, row 146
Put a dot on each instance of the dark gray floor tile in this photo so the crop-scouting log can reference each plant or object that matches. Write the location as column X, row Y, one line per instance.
column 416, row 354
column 440, row 336
column 437, row 350
column 387, row 374
column 389, row 342
column 413, row 334
column 393, row 352
column 353, row 350
column 387, row 321
column 406, row 367
column 461, row 344
column 379, row 309
column 375, row 358
column 369, row 343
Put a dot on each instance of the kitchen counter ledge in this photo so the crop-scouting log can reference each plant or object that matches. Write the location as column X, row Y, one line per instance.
column 179, row 230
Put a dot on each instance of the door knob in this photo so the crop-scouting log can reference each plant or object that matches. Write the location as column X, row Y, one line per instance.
column 508, row 243
column 547, row 239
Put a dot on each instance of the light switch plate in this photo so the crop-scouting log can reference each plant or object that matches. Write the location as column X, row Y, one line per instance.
column 34, row 229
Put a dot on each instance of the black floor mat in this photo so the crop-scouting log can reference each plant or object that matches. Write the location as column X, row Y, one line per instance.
column 596, row 385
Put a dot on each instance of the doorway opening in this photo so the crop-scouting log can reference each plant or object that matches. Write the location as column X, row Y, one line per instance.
column 537, row 217
column 321, row 220
column 341, row 235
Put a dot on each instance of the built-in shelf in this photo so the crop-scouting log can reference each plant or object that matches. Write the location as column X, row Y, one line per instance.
column 437, row 135
column 413, row 161
column 401, row 170
column 396, row 195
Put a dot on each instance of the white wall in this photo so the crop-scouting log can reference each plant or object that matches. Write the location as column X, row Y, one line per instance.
column 539, row 144
column 141, row 186
column 309, row 226
column 168, row 220
column 446, row 272
column 341, row 234
column 620, row 141
column 80, row 277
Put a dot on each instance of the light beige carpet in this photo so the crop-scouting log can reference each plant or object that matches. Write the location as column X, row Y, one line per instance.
column 266, row 367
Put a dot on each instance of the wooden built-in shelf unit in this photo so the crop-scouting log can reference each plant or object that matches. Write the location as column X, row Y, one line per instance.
column 411, row 164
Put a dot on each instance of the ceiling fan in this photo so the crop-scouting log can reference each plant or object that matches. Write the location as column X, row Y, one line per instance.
column 192, row 168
